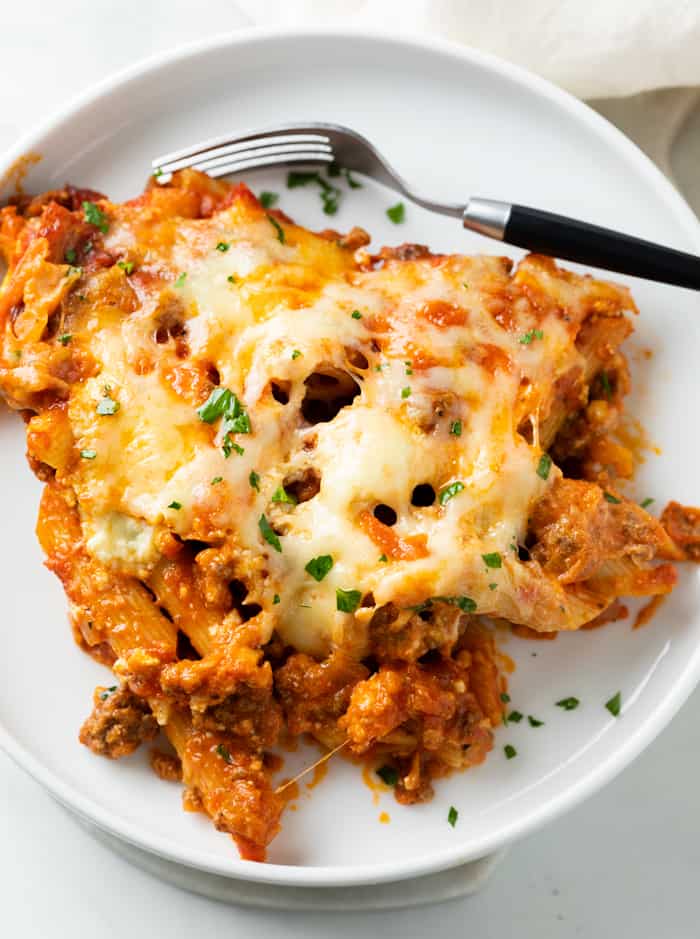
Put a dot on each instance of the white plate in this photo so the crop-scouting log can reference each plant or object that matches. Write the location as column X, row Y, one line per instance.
column 457, row 122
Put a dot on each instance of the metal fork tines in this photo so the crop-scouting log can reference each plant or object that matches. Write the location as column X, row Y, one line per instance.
column 221, row 157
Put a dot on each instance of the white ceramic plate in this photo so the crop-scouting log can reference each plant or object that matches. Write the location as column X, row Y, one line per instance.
column 457, row 122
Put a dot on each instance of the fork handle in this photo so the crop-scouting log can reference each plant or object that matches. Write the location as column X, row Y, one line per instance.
column 573, row 240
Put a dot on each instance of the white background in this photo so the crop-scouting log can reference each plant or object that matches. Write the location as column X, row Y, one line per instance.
column 627, row 863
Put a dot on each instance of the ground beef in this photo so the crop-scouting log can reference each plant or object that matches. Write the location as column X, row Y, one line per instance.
column 166, row 765
column 118, row 724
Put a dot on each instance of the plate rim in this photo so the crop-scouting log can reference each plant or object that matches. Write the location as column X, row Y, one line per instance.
column 625, row 752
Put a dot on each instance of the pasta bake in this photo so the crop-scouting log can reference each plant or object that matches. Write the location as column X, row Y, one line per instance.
column 290, row 483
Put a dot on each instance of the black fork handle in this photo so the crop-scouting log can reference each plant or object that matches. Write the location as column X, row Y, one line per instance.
column 573, row 240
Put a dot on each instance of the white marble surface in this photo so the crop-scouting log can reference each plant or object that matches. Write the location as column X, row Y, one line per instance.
column 626, row 863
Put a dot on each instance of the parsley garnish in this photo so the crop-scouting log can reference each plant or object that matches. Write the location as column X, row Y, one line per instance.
column 456, row 428
column 108, row 406
column 383, row 558
column 533, row 721
column 278, row 228
column 296, row 179
column 614, row 704
column 356, row 315
column 175, row 505
column 281, row 495
column 71, row 256
column 180, row 282
column 88, row 454
column 229, row 447
column 352, row 182
column 544, row 466
column 319, row 567
column 388, row 775
column 397, row 213
column 216, row 405
column 605, row 383
column 295, row 354
column 569, row 704
column 329, row 194
column 224, row 403
column 157, row 172
column 268, row 534
column 530, row 335
column 505, row 697
column 66, row 338
column 217, row 479
column 510, row 751
column 126, row 266
column 452, row 816
column 223, row 246
column 231, row 279
column 646, row 503
column 492, row 560
column 609, row 497
column 449, row 492
column 347, row 601
column 107, row 692
column 466, row 604
column 95, row 216
column 493, row 586
column 515, row 717
column 224, row 753
column 276, row 599
column 405, row 392
column 268, row 199
column 254, row 480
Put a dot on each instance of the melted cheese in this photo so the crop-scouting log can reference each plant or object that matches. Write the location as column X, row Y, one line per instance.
column 438, row 343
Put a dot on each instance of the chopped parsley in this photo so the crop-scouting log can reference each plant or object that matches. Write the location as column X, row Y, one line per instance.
column 157, row 172
column 230, row 447
column 254, row 480
column 107, row 692
column 456, row 428
column 397, row 213
column 268, row 199
column 330, row 195
column 65, row 338
column 223, row 246
column 180, row 282
column 351, row 181
column 175, row 505
column 383, row 558
column 531, row 334
column 347, row 601
column 276, row 599
column 492, row 560
column 388, row 775
column 224, row 753
column 405, row 392
column 268, row 534
column 71, row 256
column 216, row 480
column 449, row 492
column 295, row 178
column 356, row 315
column 126, row 266
column 505, row 697
column 319, row 567
column 281, row 495
column 88, row 454
column 225, row 404
column 646, row 503
column 216, row 405
column 95, row 216
column 614, row 704
column 533, row 722
column 452, row 816
column 609, row 497
column 544, row 466
column 278, row 228
column 493, row 586
column 515, row 717
column 510, row 751
column 107, row 406
column 231, row 279
column 568, row 704
column 605, row 383
column 296, row 354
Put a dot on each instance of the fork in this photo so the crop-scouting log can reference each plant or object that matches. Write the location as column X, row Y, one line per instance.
column 529, row 228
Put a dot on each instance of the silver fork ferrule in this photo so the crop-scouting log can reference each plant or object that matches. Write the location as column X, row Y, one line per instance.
column 487, row 217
